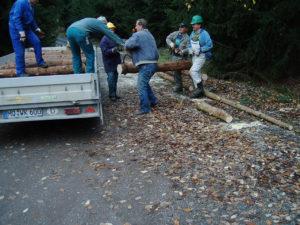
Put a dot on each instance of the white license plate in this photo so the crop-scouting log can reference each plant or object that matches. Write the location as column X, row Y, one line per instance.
column 22, row 113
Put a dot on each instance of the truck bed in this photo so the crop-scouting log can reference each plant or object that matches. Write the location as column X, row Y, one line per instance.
column 51, row 97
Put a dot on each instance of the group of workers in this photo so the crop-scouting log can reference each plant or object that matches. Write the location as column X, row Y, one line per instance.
column 141, row 46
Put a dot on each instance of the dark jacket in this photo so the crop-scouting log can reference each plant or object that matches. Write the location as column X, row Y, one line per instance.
column 110, row 59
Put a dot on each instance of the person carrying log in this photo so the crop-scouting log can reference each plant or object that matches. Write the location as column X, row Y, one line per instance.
column 22, row 30
column 111, row 59
column 200, row 49
column 145, row 55
column 79, row 34
column 178, row 41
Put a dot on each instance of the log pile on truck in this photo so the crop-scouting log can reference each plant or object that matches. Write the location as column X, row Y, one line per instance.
column 59, row 62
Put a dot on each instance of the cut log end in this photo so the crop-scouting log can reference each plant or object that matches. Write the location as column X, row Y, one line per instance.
column 213, row 111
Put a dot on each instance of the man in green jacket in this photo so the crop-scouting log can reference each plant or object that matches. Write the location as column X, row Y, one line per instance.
column 178, row 41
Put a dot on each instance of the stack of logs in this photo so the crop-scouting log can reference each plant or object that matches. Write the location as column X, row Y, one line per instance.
column 59, row 62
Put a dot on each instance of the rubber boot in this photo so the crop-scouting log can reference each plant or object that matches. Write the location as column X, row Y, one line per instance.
column 198, row 92
column 178, row 82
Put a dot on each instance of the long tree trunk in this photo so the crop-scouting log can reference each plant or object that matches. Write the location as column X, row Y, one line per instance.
column 248, row 110
column 162, row 67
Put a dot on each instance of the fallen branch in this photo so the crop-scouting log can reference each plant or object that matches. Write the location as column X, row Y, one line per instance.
column 248, row 110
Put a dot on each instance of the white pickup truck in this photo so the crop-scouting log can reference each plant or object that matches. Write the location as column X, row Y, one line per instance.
column 52, row 97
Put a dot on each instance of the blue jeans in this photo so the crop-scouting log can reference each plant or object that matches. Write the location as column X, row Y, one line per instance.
column 112, row 79
column 146, row 95
column 79, row 40
column 19, row 48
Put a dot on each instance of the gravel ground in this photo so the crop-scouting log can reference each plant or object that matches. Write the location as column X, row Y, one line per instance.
column 174, row 166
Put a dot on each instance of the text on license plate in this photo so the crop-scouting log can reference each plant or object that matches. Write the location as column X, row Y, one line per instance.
column 22, row 113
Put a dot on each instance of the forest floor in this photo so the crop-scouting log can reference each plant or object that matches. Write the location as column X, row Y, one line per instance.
column 173, row 166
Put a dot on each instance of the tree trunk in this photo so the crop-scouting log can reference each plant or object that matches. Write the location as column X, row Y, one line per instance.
column 51, row 70
column 162, row 67
column 248, row 110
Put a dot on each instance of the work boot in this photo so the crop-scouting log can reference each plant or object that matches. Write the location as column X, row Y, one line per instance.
column 43, row 65
column 198, row 92
column 178, row 82
column 114, row 98
column 140, row 113
column 177, row 88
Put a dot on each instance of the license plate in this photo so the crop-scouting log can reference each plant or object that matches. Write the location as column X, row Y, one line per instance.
column 22, row 113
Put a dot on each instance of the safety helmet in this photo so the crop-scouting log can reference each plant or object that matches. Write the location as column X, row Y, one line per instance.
column 197, row 19
column 110, row 25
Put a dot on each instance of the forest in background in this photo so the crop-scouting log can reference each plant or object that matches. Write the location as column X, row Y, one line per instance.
column 252, row 38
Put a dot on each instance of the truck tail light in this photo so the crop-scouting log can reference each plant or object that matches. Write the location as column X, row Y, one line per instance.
column 90, row 109
column 72, row 111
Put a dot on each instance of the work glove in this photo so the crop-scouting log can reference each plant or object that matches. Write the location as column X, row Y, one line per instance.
column 121, row 48
column 22, row 36
column 178, row 51
column 114, row 50
column 196, row 53
column 41, row 34
column 172, row 45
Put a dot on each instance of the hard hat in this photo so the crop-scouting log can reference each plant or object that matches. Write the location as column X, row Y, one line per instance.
column 102, row 19
column 110, row 25
column 197, row 19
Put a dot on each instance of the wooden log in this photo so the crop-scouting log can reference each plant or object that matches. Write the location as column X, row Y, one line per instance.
column 166, row 77
column 31, row 64
column 200, row 104
column 51, row 70
column 162, row 67
column 248, row 110
column 213, row 111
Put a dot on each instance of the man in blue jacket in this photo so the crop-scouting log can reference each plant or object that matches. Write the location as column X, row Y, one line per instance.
column 144, row 52
column 22, row 28
column 200, row 49
column 111, row 59
column 79, row 34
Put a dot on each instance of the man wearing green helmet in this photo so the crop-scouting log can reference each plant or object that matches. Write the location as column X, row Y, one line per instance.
column 200, row 48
